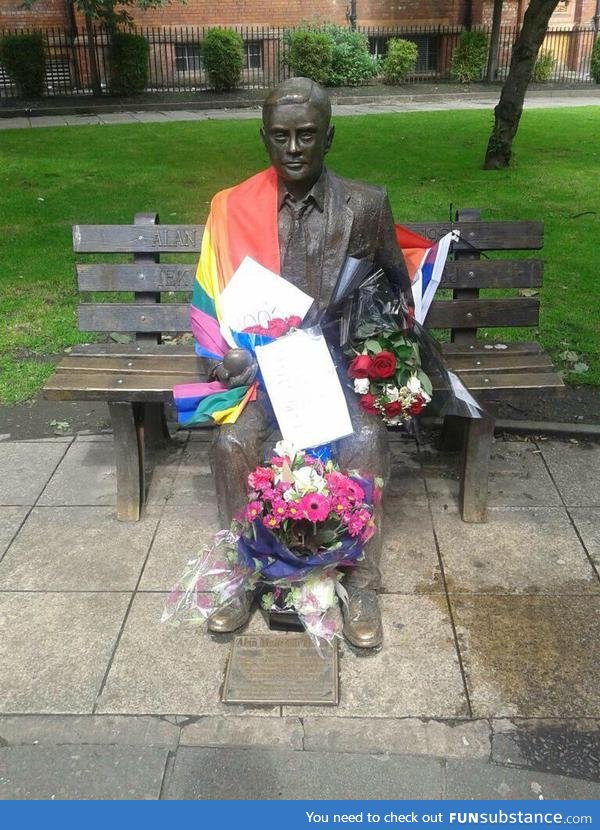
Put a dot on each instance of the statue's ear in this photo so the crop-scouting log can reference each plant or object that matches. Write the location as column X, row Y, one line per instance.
column 263, row 137
column 329, row 138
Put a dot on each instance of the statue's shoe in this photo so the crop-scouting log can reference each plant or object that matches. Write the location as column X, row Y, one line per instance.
column 232, row 616
column 362, row 618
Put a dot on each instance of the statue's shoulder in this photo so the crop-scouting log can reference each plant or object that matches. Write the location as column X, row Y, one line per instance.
column 367, row 194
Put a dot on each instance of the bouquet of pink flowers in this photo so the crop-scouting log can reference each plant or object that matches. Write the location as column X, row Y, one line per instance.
column 303, row 519
column 276, row 327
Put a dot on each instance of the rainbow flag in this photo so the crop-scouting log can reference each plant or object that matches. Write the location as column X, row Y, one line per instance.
column 242, row 222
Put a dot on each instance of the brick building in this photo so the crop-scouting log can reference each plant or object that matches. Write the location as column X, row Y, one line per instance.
column 175, row 29
column 60, row 13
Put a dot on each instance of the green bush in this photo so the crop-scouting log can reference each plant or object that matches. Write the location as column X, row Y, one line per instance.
column 24, row 59
column 544, row 66
column 310, row 54
column 470, row 57
column 351, row 63
column 128, row 63
column 595, row 64
column 223, row 58
column 400, row 59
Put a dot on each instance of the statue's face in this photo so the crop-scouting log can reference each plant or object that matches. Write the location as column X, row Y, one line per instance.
column 296, row 137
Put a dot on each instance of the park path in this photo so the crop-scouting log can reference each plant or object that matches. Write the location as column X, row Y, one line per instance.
column 488, row 685
column 430, row 101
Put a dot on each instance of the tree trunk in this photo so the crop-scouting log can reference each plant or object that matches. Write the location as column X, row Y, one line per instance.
column 492, row 66
column 92, row 57
column 510, row 107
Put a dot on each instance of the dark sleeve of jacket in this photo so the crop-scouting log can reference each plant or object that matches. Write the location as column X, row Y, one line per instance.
column 388, row 254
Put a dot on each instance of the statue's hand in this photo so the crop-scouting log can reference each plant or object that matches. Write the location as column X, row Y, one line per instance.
column 238, row 368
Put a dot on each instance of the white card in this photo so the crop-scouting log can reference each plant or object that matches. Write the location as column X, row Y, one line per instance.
column 254, row 295
column 304, row 388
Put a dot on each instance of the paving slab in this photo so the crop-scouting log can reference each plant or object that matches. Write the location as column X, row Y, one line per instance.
column 151, row 117
column 10, row 521
column 398, row 736
column 84, row 772
column 587, row 522
column 53, row 730
column 26, row 469
column 14, row 123
column 518, row 479
column 160, row 668
column 564, row 747
column 415, row 674
column 516, row 551
column 194, row 481
column 576, row 471
column 86, row 476
column 281, row 774
column 82, row 120
column 409, row 559
column 77, row 549
column 54, row 649
column 476, row 780
column 48, row 121
column 181, row 534
column 117, row 118
column 235, row 730
column 529, row 656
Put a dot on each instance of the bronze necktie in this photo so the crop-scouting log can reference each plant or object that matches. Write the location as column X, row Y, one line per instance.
column 294, row 265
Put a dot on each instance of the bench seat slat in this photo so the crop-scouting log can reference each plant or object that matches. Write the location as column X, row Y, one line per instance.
column 112, row 386
column 154, row 364
column 483, row 382
column 493, row 273
column 134, row 348
column 499, row 362
column 487, row 347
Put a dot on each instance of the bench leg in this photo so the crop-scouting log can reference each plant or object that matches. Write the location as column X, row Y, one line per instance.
column 477, row 447
column 452, row 438
column 156, row 431
column 128, row 432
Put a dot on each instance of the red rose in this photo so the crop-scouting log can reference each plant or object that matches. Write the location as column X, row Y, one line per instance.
column 392, row 409
column 383, row 365
column 360, row 367
column 417, row 405
column 367, row 404
column 277, row 327
column 294, row 321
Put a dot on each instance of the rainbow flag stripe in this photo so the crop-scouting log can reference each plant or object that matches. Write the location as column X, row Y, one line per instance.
column 242, row 222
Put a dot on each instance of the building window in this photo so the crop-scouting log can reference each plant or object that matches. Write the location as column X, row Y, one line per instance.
column 253, row 50
column 187, row 57
column 426, row 50
column 378, row 46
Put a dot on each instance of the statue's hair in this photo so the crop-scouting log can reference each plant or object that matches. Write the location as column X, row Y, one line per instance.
column 297, row 91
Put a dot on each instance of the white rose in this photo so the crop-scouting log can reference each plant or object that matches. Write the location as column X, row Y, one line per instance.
column 319, row 591
column 414, row 385
column 286, row 448
column 392, row 392
column 361, row 386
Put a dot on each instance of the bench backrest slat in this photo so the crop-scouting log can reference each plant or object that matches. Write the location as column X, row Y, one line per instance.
column 485, row 273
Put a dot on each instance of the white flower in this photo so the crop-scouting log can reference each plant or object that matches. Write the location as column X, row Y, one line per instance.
column 361, row 386
column 392, row 392
column 307, row 480
column 414, row 385
column 317, row 593
column 286, row 449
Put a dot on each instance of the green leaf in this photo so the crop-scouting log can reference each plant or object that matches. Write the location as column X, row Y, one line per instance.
column 373, row 346
column 425, row 382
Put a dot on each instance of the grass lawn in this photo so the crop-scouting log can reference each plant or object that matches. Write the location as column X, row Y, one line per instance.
column 52, row 178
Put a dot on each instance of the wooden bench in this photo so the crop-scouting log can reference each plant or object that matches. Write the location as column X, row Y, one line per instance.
column 136, row 378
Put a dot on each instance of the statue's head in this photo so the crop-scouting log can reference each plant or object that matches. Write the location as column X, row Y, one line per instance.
column 296, row 130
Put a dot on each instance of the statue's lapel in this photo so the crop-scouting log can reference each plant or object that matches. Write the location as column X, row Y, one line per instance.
column 338, row 218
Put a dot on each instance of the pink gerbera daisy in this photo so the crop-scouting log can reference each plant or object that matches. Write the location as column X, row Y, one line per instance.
column 253, row 509
column 315, row 507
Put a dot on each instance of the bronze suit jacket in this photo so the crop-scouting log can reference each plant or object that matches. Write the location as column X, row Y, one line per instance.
column 357, row 222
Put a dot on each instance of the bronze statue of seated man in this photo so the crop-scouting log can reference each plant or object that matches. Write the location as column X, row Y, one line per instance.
column 321, row 219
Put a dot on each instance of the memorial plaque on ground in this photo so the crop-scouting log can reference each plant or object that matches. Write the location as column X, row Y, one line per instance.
column 281, row 669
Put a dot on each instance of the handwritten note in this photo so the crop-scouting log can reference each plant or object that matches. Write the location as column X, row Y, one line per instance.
column 304, row 388
column 254, row 295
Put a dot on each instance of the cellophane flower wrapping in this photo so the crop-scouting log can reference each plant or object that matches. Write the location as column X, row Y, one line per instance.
column 210, row 581
column 303, row 519
column 395, row 364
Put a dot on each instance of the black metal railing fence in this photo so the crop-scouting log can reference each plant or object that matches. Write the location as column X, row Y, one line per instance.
column 175, row 62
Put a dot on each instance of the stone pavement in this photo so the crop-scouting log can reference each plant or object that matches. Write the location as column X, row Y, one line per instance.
column 578, row 97
column 488, row 685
